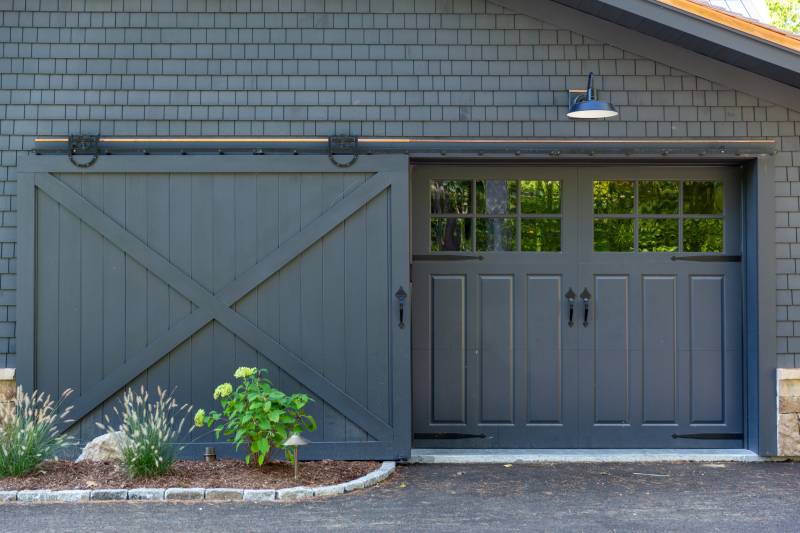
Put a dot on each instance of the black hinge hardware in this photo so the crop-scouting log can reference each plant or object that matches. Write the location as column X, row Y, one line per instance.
column 343, row 145
column 84, row 145
column 708, row 258
column 447, row 257
column 710, row 436
column 450, row 436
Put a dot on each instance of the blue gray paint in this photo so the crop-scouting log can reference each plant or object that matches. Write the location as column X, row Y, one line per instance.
column 361, row 67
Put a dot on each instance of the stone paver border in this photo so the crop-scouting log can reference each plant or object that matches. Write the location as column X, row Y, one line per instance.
column 194, row 494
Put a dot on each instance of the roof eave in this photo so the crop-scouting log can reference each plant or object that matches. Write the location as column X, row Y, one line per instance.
column 692, row 25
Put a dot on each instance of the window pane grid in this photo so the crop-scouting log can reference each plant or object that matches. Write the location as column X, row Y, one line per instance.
column 687, row 232
column 493, row 218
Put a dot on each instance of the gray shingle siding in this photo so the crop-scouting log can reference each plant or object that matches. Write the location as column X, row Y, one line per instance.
column 363, row 67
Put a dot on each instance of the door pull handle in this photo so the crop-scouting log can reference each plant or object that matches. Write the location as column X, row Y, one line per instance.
column 586, row 296
column 401, row 296
column 570, row 296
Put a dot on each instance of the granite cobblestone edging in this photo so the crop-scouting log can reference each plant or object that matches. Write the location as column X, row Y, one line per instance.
column 196, row 494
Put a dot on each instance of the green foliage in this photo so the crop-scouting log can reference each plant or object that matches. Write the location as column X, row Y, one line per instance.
column 451, row 196
column 451, row 234
column 785, row 14
column 658, row 235
column 149, row 445
column 29, row 431
column 540, row 197
column 541, row 235
column 613, row 197
column 702, row 235
column 703, row 197
column 613, row 234
column 658, row 197
column 258, row 415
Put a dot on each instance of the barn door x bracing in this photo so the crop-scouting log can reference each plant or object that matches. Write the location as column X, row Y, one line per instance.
column 172, row 271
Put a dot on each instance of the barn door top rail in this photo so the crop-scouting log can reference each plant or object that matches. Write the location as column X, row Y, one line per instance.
column 423, row 147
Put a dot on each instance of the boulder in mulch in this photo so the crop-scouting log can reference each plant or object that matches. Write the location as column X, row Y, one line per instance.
column 106, row 447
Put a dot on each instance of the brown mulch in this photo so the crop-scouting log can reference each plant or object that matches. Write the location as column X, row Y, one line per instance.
column 58, row 475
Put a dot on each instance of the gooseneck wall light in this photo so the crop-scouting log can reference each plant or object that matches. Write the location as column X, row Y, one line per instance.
column 586, row 105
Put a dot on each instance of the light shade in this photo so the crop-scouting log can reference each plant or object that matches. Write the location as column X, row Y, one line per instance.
column 587, row 106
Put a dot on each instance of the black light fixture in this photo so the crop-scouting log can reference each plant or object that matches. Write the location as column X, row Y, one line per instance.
column 585, row 105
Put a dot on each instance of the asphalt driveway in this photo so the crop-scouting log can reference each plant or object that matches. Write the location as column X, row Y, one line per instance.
column 563, row 497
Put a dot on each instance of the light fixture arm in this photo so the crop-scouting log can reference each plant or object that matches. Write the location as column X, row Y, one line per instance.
column 589, row 88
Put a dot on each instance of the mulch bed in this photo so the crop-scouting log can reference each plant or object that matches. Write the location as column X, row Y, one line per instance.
column 60, row 475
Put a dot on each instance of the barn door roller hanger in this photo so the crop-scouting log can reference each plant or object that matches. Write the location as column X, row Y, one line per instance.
column 345, row 145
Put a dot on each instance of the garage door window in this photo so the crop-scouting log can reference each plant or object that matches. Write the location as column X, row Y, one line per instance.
column 495, row 215
column 658, row 215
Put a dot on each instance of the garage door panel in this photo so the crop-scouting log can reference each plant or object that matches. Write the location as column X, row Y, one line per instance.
column 449, row 349
column 659, row 349
column 496, row 348
column 544, row 349
column 189, row 270
column 707, row 314
column 611, row 348
column 659, row 352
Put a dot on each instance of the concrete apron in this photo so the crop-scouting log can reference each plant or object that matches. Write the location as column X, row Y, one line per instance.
column 434, row 456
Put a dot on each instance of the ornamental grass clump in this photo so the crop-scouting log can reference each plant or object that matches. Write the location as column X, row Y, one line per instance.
column 150, row 431
column 258, row 415
column 29, row 431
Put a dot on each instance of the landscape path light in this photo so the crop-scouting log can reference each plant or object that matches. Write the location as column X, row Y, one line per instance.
column 296, row 441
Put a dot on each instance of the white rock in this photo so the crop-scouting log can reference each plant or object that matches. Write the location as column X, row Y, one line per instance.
column 329, row 490
column 184, row 494
column 106, row 447
column 144, row 494
column 259, row 495
column 295, row 493
column 33, row 495
column 110, row 494
column 69, row 495
column 224, row 494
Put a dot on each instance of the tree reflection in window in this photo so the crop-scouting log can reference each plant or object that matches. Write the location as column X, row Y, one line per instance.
column 648, row 215
column 495, row 215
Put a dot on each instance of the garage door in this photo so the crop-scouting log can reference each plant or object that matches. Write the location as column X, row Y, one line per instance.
column 171, row 271
column 576, row 307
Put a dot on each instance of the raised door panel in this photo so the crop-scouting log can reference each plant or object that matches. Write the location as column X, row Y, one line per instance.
column 544, row 350
column 496, row 336
column 659, row 349
column 448, row 349
column 610, row 348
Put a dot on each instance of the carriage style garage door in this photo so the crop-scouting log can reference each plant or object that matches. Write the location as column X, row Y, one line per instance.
column 576, row 307
column 171, row 271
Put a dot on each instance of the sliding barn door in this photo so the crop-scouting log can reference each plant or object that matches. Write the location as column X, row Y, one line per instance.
column 172, row 271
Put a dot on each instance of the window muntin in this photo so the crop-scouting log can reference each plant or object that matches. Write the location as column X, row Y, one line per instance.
column 648, row 215
column 495, row 215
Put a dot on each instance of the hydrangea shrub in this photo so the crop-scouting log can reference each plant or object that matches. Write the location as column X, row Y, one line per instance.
column 257, row 415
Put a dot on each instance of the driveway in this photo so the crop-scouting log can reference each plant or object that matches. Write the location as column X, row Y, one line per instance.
column 562, row 497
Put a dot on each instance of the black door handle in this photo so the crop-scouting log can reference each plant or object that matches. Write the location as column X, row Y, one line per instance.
column 570, row 296
column 586, row 296
column 401, row 299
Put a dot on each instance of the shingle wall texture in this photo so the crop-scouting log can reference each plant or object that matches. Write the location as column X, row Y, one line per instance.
column 363, row 67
